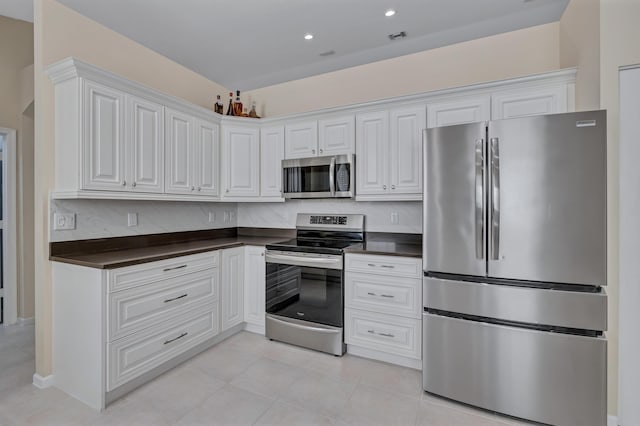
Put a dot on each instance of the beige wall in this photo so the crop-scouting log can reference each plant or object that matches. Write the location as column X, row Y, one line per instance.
column 580, row 47
column 59, row 33
column 16, row 89
column 16, row 52
column 512, row 54
column 619, row 45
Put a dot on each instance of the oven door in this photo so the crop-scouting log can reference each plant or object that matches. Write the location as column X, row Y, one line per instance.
column 305, row 286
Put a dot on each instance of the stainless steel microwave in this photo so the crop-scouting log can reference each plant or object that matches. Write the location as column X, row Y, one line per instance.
column 319, row 177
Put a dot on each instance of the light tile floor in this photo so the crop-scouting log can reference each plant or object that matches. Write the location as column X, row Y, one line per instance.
column 244, row 380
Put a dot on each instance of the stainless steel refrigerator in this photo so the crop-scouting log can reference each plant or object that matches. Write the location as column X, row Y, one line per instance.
column 515, row 264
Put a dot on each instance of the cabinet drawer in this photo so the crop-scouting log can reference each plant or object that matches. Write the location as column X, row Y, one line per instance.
column 384, row 265
column 136, row 275
column 138, row 353
column 140, row 307
column 386, row 333
column 390, row 295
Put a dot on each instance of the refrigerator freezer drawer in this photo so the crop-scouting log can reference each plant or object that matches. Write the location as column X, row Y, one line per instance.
column 570, row 309
column 551, row 378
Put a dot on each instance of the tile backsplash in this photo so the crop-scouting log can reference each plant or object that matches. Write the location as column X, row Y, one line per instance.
column 108, row 218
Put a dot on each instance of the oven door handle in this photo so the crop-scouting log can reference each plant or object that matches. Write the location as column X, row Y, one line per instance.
column 311, row 262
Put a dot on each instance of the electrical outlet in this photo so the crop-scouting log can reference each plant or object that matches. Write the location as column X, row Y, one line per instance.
column 212, row 217
column 232, row 216
column 226, row 216
column 132, row 219
column 64, row 221
column 395, row 218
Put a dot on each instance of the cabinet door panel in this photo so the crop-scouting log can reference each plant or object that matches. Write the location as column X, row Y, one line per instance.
column 241, row 162
column 301, row 140
column 271, row 154
column 179, row 147
column 146, row 136
column 232, row 292
column 407, row 125
column 336, row 136
column 521, row 103
column 207, row 159
column 104, row 134
column 372, row 152
column 254, row 286
column 467, row 110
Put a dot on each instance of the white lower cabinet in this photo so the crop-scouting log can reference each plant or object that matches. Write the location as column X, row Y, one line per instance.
column 254, row 289
column 232, row 294
column 383, row 307
column 115, row 329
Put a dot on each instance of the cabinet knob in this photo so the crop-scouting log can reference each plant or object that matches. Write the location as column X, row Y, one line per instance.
column 124, row 183
column 262, row 254
column 199, row 189
column 320, row 151
column 133, row 185
column 227, row 190
column 393, row 187
column 313, row 151
column 384, row 186
column 193, row 188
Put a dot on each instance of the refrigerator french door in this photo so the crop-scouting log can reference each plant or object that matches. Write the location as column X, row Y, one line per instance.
column 515, row 261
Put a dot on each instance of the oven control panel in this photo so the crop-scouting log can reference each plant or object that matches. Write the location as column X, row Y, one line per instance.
column 327, row 220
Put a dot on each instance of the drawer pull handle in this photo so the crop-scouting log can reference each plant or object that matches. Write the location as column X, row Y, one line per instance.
column 371, row 331
column 175, row 267
column 166, row 342
column 386, row 334
column 176, row 298
column 373, row 265
column 371, row 294
column 390, row 296
column 388, row 266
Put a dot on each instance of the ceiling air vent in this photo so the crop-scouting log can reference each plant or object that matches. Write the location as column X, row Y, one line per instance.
column 401, row 34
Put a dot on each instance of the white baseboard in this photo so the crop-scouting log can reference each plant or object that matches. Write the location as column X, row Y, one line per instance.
column 43, row 382
column 612, row 420
column 26, row 321
column 416, row 364
column 253, row 328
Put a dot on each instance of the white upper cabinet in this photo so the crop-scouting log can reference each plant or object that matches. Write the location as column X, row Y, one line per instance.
column 207, row 158
column 459, row 111
column 301, row 140
column 271, row 155
column 407, row 126
column 145, row 127
column 179, row 153
column 389, row 154
column 531, row 101
column 336, row 136
column 104, row 153
column 372, row 153
column 241, row 161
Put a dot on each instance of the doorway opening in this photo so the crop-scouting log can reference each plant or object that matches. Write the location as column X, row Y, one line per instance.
column 8, row 255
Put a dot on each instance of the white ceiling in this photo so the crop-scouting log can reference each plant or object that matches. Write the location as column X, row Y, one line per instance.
column 246, row 44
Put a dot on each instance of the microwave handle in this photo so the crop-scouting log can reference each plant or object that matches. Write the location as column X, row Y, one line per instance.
column 332, row 176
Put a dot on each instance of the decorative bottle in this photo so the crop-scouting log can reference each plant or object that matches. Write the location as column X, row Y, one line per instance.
column 219, row 106
column 253, row 113
column 230, row 108
column 237, row 105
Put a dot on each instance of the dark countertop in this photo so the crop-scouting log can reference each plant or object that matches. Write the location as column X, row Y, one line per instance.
column 117, row 252
column 109, row 253
column 390, row 244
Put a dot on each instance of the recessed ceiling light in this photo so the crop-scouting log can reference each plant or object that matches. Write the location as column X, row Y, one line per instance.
column 389, row 12
column 308, row 36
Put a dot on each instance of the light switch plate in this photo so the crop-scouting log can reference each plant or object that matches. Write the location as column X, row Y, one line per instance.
column 64, row 221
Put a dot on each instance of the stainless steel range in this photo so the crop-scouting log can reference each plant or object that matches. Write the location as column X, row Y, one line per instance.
column 305, row 282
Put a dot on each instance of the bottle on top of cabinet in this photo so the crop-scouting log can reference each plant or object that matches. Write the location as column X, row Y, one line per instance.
column 218, row 106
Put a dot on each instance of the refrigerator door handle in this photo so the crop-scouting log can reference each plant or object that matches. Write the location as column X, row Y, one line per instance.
column 495, row 199
column 479, row 199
